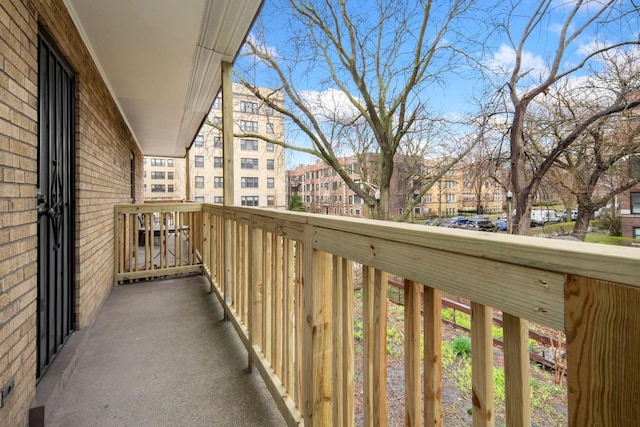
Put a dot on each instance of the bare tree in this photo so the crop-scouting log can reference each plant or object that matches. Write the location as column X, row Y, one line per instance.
column 376, row 60
column 525, row 84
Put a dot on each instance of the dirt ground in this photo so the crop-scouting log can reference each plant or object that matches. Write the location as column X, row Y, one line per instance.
column 548, row 399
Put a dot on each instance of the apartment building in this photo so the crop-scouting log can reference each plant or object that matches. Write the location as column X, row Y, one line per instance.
column 164, row 178
column 259, row 178
column 323, row 190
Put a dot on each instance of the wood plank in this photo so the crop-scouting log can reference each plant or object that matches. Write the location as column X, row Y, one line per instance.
column 482, row 365
column 288, row 330
column 277, row 306
column 602, row 352
column 526, row 292
column 380, row 348
column 412, row 317
column 432, row 357
column 169, row 271
column 368, row 343
column 317, row 351
column 254, row 320
column 516, row 371
column 605, row 262
column 338, row 350
column 348, row 414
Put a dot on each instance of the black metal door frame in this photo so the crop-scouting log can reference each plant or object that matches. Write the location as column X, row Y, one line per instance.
column 56, row 111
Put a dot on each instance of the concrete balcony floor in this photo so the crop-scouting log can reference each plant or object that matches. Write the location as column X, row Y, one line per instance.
column 159, row 354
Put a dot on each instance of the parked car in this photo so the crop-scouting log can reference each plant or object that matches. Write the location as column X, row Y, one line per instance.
column 479, row 217
column 433, row 222
column 455, row 222
column 480, row 225
column 501, row 224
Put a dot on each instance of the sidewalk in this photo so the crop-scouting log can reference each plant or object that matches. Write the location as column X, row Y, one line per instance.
column 159, row 354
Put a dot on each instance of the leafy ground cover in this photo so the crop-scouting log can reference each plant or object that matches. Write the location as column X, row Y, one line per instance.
column 548, row 399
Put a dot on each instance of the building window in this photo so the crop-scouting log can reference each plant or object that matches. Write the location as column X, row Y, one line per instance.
column 249, row 200
column 218, row 182
column 636, row 232
column 248, row 126
column 199, row 141
column 200, row 199
column 144, row 160
column 270, row 201
column 199, row 181
column 132, row 182
column 270, row 183
column 199, row 161
column 248, row 107
column 249, row 144
column 270, row 164
column 218, row 162
column 416, row 211
column 144, row 187
column 217, row 142
column 248, row 182
column 170, row 163
column 218, row 199
column 270, row 146
column 270, row 128
column 157, row 188
column 170, row 188
column 250, row 163
column 144, row 174
column 170, row 175
column 450, row 198
column 217, row 103
column 157, row 162
column 217, row 122
column 635, row 203
column 157, row 175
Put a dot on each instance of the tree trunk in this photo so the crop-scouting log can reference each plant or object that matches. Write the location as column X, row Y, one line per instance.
column 582, row 224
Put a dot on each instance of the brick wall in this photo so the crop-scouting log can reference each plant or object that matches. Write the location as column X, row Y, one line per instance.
column 103, row 146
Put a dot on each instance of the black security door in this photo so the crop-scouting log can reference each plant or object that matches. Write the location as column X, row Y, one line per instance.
column 55, row 203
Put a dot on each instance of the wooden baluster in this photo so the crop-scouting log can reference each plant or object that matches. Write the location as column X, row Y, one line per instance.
column 256, row 283
column 343, row 374
column 516, row 370
column 412, row 315
column 316, row 337
column 482, row 365
column 432, row 302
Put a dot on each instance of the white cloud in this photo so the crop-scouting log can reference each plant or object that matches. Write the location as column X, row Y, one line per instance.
column 504, row 60
column 330, row 103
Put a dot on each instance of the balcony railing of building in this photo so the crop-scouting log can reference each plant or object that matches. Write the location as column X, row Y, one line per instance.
column 286, row 282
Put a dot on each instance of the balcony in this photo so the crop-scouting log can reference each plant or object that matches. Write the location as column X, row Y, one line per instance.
column 285, row 282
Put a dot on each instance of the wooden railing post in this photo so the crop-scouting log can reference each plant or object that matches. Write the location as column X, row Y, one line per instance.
column 601, row 323
column 482, row 365
column 316, row 338
column 516, row 370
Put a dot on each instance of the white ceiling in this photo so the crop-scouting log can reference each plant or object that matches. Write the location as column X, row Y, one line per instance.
column 161, row 60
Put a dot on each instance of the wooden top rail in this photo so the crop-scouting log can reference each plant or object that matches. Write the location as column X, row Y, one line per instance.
column 520, row 275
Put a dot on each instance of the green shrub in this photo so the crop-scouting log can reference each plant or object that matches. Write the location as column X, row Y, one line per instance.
column 461, row 346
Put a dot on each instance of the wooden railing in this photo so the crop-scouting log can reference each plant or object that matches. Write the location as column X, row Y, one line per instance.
column 157, row 239
column 286, row 282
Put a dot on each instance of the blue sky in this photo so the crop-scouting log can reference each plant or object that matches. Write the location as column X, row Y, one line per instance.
column 452, row 96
